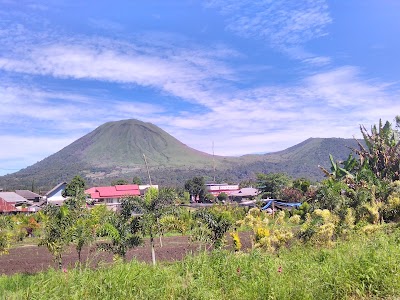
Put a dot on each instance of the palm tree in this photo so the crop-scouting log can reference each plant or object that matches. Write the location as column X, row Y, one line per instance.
column 152, row 207
column 215, row 224
column 56, row 231
column 122, row 232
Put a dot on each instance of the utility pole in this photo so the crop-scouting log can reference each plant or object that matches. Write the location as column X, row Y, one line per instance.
column 147, row 167
column 213, row 159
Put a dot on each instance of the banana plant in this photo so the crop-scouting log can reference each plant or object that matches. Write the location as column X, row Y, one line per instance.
column 337, row 172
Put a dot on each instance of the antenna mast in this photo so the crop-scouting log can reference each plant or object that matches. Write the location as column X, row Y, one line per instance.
column 147, row 167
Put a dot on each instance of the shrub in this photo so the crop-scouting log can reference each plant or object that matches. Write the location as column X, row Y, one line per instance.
column 237, row 244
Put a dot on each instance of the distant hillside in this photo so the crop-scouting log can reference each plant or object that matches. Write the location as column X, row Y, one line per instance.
column 301, row 160
column 115, row 150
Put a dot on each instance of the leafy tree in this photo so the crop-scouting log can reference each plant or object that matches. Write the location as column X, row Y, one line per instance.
column 76, row 185
column 222, row 196
column 291, row 194
column 332, row 195
column 137, row 180
column 153, row 206
column 209, row 198
column 196, row 188
column 271, row 184
column 119, row 182
column 302, row 184
column 247, row 183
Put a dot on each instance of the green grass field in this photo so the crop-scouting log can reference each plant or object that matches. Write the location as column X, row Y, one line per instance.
column 363, row 267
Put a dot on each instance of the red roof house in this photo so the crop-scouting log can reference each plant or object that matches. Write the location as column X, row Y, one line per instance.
column 6, row 207
column 113, row 194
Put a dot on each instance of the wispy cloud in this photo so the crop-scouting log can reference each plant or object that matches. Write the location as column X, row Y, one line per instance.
column 180, row 72
column 270, row 118
column 106, row 25
column 283, row 24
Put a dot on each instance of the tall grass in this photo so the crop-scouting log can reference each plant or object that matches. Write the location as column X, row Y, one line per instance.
column 364, row 267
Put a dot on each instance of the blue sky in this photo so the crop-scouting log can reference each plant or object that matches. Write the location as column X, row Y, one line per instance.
column 252, row 76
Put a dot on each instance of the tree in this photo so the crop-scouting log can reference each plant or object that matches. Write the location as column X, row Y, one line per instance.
column 302, row 184
column 122, row 232
column 363, row 184
column 82, row 234
column 119, row 182
column 247, row 183
column 382, row 151
column 82, row 230
column 6, row 235
column 209, row 198
column 76, row 185
column 271, row 184
column 338, row 172
column 291, row 194
column 56, row 234
column 137, row 180
column 222, row 196
column 212, row 227
column 196, row 188
column 153, row 206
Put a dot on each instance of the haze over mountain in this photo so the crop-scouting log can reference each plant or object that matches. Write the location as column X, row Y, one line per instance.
column 117, row 149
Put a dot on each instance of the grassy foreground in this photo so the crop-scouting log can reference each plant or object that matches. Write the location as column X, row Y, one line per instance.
column 365, row 267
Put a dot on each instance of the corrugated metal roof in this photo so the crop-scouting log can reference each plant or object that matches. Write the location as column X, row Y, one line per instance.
column 12, row 197
column 118, row 191
column 127, row 187
column 245, row 192
column 27, row 194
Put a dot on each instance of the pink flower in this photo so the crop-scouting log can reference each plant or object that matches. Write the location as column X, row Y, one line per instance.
column 65, row 270
column 280, row 269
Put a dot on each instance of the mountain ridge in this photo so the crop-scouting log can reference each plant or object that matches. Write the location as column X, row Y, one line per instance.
column 115, row 150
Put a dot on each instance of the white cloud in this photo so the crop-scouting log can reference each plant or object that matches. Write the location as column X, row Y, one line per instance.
column 180, row 72
column 328, row 104
column 282, row 24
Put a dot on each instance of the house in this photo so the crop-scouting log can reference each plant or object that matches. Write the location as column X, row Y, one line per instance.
column 11, row 202
column 244, row 193
column 144, row 187
column 55, row 196
column 112, row 195
column 218, row 188
column 6, row 207
column 28, row 195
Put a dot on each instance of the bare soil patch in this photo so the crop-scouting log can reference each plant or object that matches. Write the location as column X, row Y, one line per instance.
column 32, row 259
